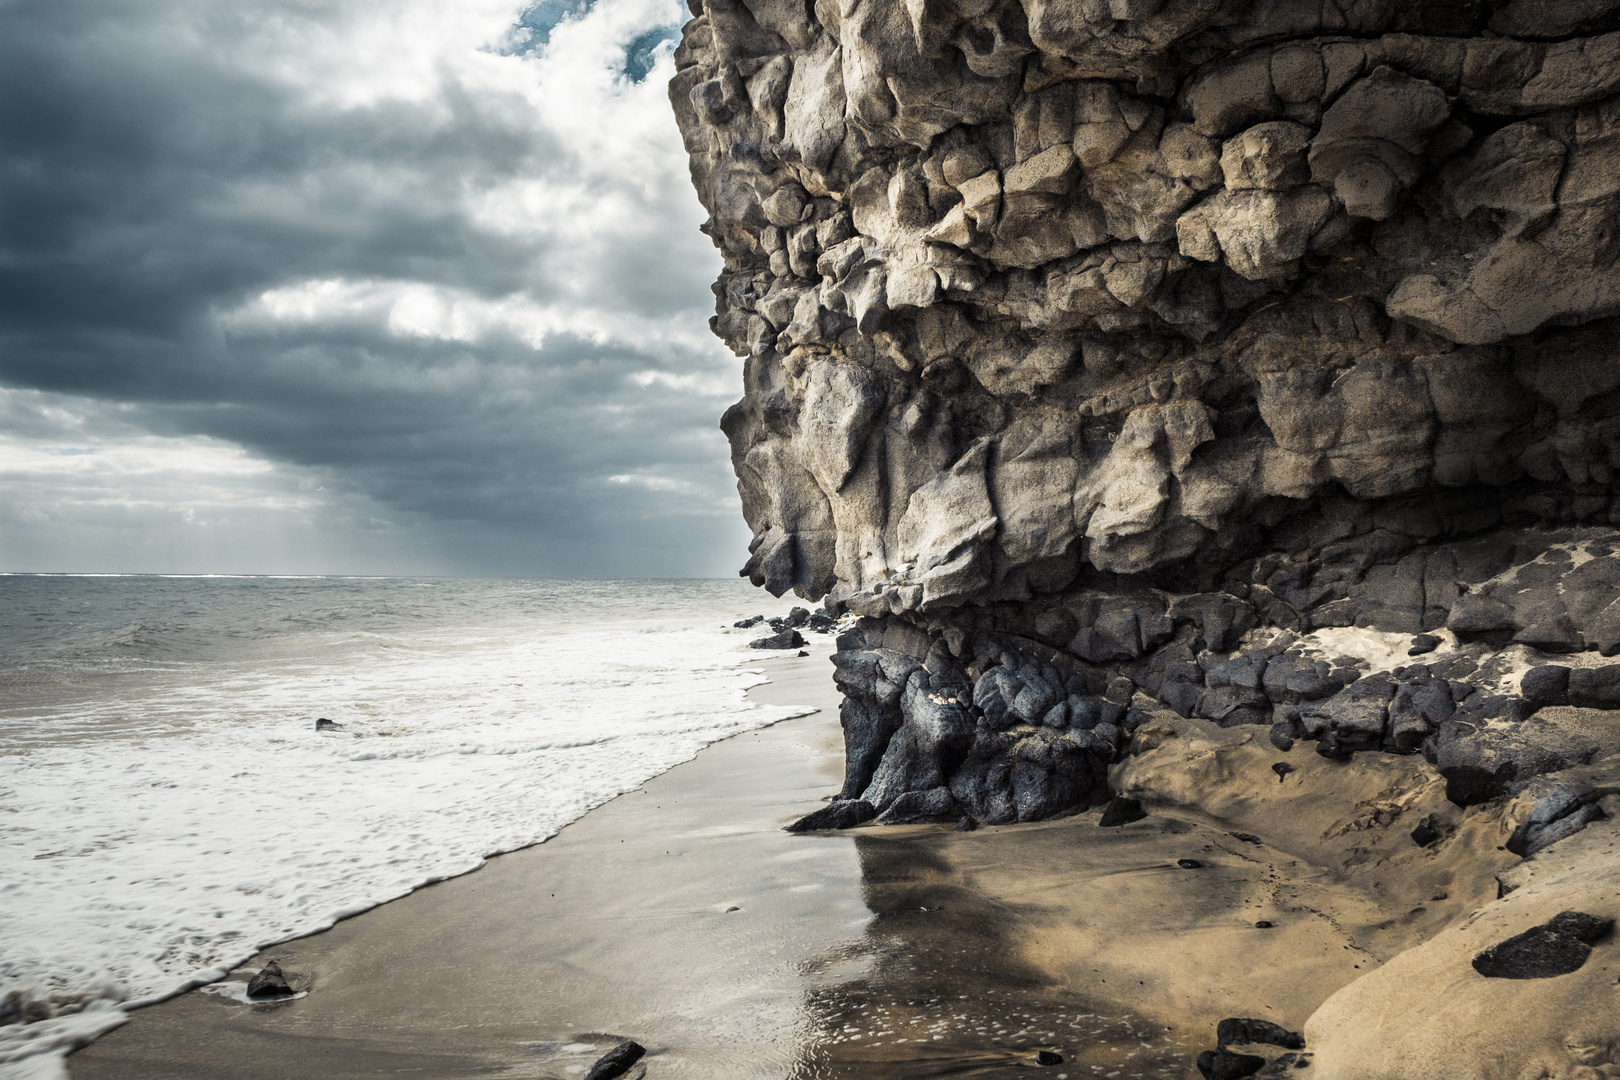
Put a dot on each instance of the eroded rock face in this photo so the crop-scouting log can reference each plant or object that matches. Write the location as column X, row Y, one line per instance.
column 1143, row 340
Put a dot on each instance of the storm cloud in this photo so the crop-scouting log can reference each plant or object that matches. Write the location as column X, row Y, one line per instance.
column 425, row 278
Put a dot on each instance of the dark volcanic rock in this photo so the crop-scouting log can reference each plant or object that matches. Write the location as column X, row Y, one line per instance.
column 1121, row 811
column 617, row 1061
column 1562, row 812
column 1428, row 832
column 1546, row 685
column 934, row 806
column 783, row 639
column 843, row 814
column 1423, row 644
column 1237, row 1030
column 1595, row 688
column 269, row 983
column 1481, row 760
column 1556, row 947
column 1225, row 1064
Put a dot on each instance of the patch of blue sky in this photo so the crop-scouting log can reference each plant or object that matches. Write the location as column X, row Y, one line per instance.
column 643, row 52
column 533, row 28
column 532, row 32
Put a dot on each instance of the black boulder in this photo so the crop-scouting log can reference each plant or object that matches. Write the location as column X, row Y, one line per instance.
column 1545, row 685
column 785, row 639
column 1423, row 643
column 269, row 983
column 1556, row 947
column 1225, row 1065
column 1121, row 811
column 1595, row 688
column 617, row 1061
column 1427, row 832
column 1238, row 1029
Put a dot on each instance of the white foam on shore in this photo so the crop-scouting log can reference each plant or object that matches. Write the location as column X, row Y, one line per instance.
column 150, row 851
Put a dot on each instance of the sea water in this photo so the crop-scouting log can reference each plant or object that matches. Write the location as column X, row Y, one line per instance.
column 168, row 808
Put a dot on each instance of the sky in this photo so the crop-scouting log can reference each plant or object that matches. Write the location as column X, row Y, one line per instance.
column 332, row 286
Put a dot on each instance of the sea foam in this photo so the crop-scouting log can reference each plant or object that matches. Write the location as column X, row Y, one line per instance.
column 167, row 807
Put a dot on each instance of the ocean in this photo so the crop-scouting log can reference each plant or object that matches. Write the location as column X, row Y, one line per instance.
column 168, row 808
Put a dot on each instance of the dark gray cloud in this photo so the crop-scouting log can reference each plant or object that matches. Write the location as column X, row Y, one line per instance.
column 437, row 262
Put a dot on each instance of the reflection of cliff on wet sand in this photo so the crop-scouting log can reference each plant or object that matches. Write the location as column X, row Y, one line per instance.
column 949, row 990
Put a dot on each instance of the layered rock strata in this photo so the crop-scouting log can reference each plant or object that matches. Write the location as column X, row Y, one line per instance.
column 1184, row 355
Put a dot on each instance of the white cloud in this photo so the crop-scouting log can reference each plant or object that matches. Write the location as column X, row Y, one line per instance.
column 329, row 263
column 427, row 310
column 83, row 489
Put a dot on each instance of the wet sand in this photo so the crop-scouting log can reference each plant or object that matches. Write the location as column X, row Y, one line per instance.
column 617, row 927
column 681, row 915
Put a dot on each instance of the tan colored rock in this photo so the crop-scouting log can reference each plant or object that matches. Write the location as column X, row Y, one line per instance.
column 1269, row 156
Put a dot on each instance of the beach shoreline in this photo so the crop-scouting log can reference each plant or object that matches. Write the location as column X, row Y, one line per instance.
column 682, row 916
column 518, row 1005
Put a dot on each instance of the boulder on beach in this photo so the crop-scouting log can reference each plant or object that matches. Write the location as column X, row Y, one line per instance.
column 1224, row 1064
column 269, row 982
column 1556, row 947
column 1236, row 1030
column 617, row 1061
column 1121, row 811
column 785, row 639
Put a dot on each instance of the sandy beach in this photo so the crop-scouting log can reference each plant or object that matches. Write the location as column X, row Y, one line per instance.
column 620, row 926
column 681, row 915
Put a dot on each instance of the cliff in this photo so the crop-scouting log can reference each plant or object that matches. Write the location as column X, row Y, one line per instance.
column 1123, row 362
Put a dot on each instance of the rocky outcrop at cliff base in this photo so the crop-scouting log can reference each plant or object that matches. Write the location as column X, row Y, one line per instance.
column 1126, row 363
column 1105, row 356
